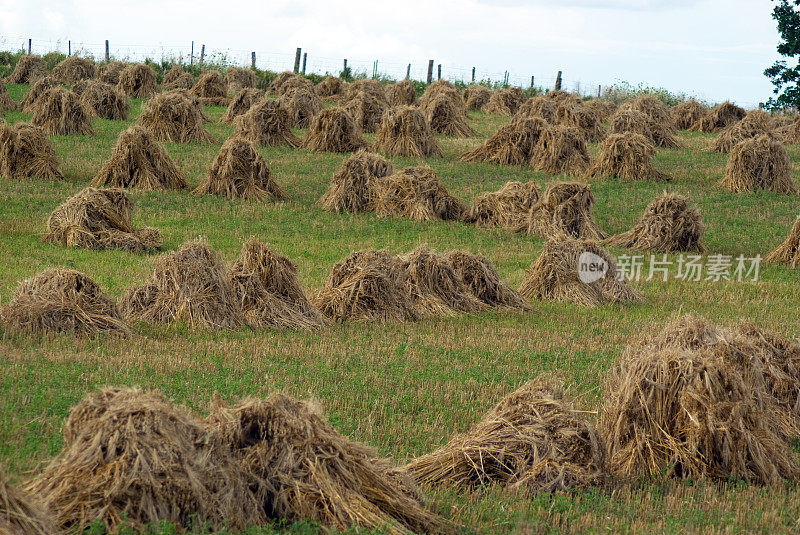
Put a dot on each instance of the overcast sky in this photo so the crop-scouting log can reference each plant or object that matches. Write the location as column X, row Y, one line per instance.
column 714, row 49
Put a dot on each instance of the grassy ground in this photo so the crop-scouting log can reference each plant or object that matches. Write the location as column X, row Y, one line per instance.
column 403, row 388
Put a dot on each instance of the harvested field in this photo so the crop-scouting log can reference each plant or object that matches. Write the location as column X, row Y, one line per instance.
column 685, row 114
column 211, row 89
column 634, row 121
column 238, row 78
column 108, row 73
column 39, row 88
column 476, row 97
column 302, row 106
column 445, row 118
column 402, row 93
column 330, row 87
column 366, row 110
column 505, row 101
column 718, row 118
column 756, row 123
column 241, row 103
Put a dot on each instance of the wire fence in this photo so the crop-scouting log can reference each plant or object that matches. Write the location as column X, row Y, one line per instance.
column 277, row 61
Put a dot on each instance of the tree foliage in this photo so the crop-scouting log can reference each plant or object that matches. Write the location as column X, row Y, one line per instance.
column 786, row 79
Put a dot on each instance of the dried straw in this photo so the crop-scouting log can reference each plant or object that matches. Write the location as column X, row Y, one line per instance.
column 266, row 286
column 366, row 110
column 477, row 274
column 505, row 101
column 192, row 286
column 629, row 120
column 555, row 275
column 476, row 97
column 417, row 193
column 365, row 286
column 755, row 123
column 21, row 513
column 584, row 119
column 405, row 132
column 28, row 69
column 788, row 252
column 534, row 440
column 669, row 224
column 699, row 401
column 433, row 287
column 331, row 86
column 240, row 172
column 211, row 89
column 565, row 208
column 139, row 162
column 759, row 163
column 507, row 207
column 175, row 117
column 513, row 144
column 102, row 100
column 402, row 93
column 718, row 118
column 73, row 69
column 560, row 149
column 685, row 114
column 100, row 219
column 444, row 117
column 304, row 469
column 266, row 124
column 177, row 78
column 334, row 130
column 352, row 188
column 628, row 156
column 60, row 112
column 238, row 78
column 26, row 152
column 541, row 107
column 39, row 88
column 131, row 457
column 138, row 81
column 302, row 105
column 242, row 101
column 62, row 301
column 108, row 73
column 6, row 102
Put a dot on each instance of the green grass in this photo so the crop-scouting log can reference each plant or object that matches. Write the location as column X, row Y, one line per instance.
column 403, row 388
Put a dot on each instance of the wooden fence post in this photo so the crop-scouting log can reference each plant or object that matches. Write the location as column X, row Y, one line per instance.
column 108, row 56
column 558, row 81
column 29, row 46
column 297, row 61
column 69, row 47
column 473, row 75
column 305, row 57
column 531, row 81
column 191, row 57
column 599, row 89
column 430, row 70
column 345, row 66
column 202, row 54
column 253, row 60
column 439, row 72
column 408, row 72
